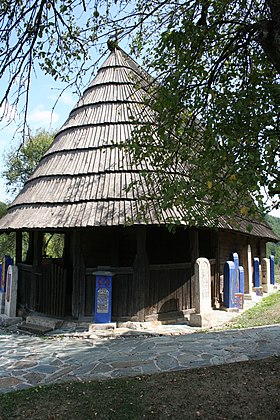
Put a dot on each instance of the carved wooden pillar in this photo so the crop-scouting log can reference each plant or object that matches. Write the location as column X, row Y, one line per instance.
column 140, row 276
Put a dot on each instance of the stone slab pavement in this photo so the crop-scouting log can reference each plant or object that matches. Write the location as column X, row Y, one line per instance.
column 27, row 361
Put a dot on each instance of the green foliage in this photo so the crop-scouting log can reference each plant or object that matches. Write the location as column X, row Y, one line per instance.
column 215, row 143
column 7, row 245
column 20, row 163
column 274, row 248
column 3, row 209
column 274, row 222
column 53, row 245
column 7, row 241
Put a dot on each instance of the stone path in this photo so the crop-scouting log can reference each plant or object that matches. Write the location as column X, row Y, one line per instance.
column 27, row 361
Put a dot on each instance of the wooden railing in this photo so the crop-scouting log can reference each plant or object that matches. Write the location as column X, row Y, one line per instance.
column 43, row 288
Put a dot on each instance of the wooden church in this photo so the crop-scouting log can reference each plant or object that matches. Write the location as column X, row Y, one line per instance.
column 79, row 190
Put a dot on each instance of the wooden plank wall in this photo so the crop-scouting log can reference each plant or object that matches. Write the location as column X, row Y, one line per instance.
column 52, row 290
column 170, row 288
column 123, row 296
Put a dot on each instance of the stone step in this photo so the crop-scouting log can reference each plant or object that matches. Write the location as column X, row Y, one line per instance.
column 6, row 321
column 51, row 323
column 34, row 328
column 40, row 324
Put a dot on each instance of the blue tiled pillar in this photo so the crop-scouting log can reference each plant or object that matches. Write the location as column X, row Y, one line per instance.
column 272, row 270
column 229, row 284
column 256, row 274
column 103, row 299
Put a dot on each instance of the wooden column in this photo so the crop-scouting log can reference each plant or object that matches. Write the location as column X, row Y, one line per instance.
column 194, row 245
column 194, row 250
column 37, row 268
column 140, row 276
column 217, row 283
column 18, row 247
column 30, row 250
column 78, row 289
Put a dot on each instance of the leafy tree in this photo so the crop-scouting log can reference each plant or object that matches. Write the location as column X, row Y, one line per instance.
column 7, row 242
column 274, row 248
column 217, row 107
column 3, row 209
column 274, row 223
column 19, row 166
column 20, row 163
column 217, row 98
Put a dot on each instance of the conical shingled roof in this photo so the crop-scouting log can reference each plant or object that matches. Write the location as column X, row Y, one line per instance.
column 82, row 180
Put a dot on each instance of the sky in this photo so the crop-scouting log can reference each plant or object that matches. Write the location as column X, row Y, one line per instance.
column 44, row 94
column 40, row 116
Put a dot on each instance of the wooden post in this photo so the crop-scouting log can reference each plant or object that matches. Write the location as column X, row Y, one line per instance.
column 30, row 250
column 194, row 250
column 37, row 269
column 217, row 284
column 140, row 276
column 18, row 247
column 78, row 275
column 194, row 245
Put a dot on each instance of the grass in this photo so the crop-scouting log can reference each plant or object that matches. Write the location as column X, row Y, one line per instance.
column 218, row 392
column 236, row 391
column 118, row 399
column 267, row 312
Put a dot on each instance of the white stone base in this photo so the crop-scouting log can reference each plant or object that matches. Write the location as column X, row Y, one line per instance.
column 105, row 326
column 201, row 320
column 146, row 325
